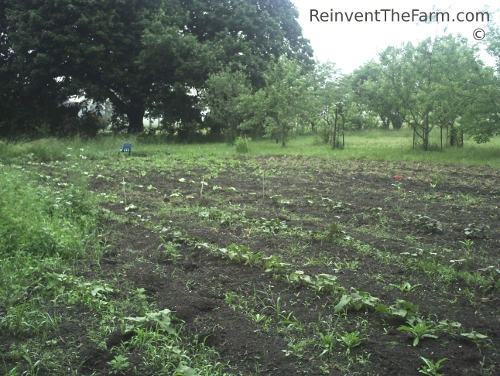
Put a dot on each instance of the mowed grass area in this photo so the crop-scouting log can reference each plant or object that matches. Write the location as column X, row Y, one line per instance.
column 370, row 145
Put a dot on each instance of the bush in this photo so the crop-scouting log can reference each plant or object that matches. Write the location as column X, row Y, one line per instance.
column 242, row 145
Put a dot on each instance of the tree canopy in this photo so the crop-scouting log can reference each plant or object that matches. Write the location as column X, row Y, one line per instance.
column 439, row 82
column 143, row 55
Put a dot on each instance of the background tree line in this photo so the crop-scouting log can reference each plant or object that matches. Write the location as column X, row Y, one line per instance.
column 227, row 68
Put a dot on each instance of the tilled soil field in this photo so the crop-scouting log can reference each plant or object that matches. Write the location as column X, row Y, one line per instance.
column 305, row 266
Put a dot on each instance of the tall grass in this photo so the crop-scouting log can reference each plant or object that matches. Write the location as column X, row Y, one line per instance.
column 42, row 230
column 42, row 221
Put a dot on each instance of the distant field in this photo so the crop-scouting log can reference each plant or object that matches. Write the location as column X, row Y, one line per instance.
column 369, row 145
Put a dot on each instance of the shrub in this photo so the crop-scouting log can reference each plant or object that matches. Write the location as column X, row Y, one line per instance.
column 242, row 145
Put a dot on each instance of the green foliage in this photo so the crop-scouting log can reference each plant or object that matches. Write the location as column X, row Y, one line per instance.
column 402, row 308
column 323, row 283
column 474, row 336
column 450, row 327
column 74, row 290
column 39, row 220
column 418, row 329
column 357, row 300
column 406, row 286
column 327, row 343
column 119, row 364
column 160, row 321
column 222, row 96
column 350, row 340
column 492, row 274
column 416, row 85
column 171, row 250
column 476, row 230
column 430, row 368
column 133, row 54
column 333, row 232
column 241, row 145
column 426, row 223
column 277, row 106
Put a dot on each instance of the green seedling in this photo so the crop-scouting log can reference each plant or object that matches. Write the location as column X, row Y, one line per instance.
column 451, row 327
column 492, row 275
column 160, row 321
column 119, row 364
column 474, row 336
column 327, row 343
column 356, row 299
column 326, row 283
column 418, row 329
column 468, row 243
column 300, row 277
column 258, row 317
column 350, row 340
column 333, row 232
column 430, row 368
column 171, row 250
column 402, row 308
column 405, row 286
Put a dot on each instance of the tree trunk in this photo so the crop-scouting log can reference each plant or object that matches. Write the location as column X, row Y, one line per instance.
column 135, row 118
column 453, row 135
column 397, row 123
column 425, row 133
column 385, row 122
column 334, row 140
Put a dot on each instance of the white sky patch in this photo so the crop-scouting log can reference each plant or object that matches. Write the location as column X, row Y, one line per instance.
column 351, row 44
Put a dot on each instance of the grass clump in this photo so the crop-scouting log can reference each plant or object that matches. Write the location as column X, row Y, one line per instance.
column 38, row 220
column 241, row 145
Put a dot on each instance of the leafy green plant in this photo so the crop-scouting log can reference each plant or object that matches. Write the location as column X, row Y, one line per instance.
column 476, row 230
column 418, row 329
column 474, row 336
column 450, row 327
column 426, row 223
column 333, row 232
column 119, row 364
column 492, row 275
column 350, row 340
column 327, row 343
column 274, row 265
column 160, row 320
column 356, row 299
column 40, row 220
column 171, row 250
column 401, row 308
column 326, row 283
column 430, row 368
column 406, row 286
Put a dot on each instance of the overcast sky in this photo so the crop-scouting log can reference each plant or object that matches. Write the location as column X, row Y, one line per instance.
column 349, row 44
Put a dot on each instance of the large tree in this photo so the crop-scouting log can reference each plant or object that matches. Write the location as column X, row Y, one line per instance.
column 222, row 96
column 372, row 88
column 281, row 102
column 99, row 49
column 145, row 55
column 250, row 32
column 438, row 83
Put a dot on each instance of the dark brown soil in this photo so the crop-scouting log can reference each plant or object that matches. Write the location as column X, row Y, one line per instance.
column 366, row 204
